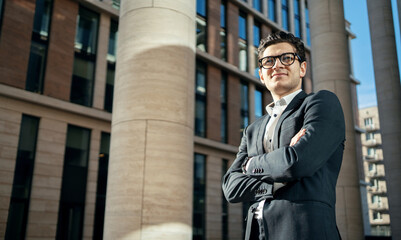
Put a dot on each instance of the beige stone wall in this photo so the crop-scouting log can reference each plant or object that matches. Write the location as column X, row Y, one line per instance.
column 49, row 159
column 10, row 120
column 215, row 155
column 47, row 178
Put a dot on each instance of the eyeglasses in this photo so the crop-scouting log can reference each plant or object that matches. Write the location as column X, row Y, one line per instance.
column 286, row 59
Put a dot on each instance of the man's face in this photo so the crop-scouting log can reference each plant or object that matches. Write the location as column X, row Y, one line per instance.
column 282, row 80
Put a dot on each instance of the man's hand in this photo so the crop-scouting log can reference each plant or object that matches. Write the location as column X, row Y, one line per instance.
column 298, row 136
column 294, row 140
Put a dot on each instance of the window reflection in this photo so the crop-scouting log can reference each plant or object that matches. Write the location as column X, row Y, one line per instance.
column 85, row 57
column 242, row 43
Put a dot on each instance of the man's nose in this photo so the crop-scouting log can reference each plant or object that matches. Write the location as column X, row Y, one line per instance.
column 277, row 64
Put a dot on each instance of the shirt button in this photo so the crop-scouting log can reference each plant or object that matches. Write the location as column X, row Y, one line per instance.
column 275, row 115
column 270, row 140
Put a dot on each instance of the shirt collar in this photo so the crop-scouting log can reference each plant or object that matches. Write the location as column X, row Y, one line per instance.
column 282, row 102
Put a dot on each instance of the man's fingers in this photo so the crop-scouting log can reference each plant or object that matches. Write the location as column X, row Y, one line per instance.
column 298, row 136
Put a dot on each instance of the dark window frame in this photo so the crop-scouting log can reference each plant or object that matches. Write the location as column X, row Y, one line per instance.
column 77, row 92
column 22, row 182
column 36, row 69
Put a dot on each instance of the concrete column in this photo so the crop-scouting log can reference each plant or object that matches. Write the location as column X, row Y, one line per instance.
column 303, row 20
column 330, row 71
column 278, row 13
column 251, row 102
column 251, row 48
column 150, row 182
column 291, row 21
column 101, row 62
column 388, row 92
column 265, row 8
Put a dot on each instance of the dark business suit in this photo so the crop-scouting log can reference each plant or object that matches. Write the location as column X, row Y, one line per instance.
column 305, row 207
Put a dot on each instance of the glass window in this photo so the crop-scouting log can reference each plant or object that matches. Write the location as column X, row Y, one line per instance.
column 40, row 41
column 201, row 25
column 377, row 216
column 374, row 183
column 101, row 185
column 370, row 136
column 87, row 30
column 82, row 81
column 201, row 7
column 257, row 5
column 223, row 100
column 297, row 19
column 199, row 202
column 224, row 205
column 258, row 104
column 223, row 35
column 73, row 187
column 256, row 40
column 36, row 67
column 372, row 167
column 112, row 49
column 243, row 43
column 200, row 100
column 21, row 189
column 116, row 4
column 242, row 26
column 284, row 14
column 376, row 199
column 244, row 106
column 111, row 66
column 371, row 151
column 41, row 24
column 272, row 10
column 368, row 121
column 308, row 40
column 85, row 57
column 1, row 13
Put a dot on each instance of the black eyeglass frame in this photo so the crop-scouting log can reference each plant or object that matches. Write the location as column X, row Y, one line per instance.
column 279, row 57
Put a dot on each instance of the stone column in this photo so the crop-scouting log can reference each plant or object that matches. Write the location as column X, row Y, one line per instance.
column 149, row 189
column 388, row 92
column 303, row 20
column 330, row 71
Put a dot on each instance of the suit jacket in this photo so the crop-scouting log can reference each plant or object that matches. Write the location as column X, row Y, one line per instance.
column 305, row 207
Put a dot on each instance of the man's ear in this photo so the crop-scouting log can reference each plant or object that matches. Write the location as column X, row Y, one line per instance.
column 302, row 69
column 261, row 76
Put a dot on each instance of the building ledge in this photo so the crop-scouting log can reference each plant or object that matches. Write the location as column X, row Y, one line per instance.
column 215, row 145
column 49, row 102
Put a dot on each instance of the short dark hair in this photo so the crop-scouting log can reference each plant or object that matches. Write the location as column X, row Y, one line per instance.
column 280, row 37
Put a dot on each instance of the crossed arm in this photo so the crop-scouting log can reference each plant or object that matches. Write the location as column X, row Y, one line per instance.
column 294, row 140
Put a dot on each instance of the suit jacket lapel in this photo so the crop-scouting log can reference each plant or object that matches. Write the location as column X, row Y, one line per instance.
column 298, row 99
column 259, row 143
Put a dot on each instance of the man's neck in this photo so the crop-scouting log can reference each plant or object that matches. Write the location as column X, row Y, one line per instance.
column 278, row 97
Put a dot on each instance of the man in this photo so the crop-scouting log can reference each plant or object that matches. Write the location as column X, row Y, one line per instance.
column 289, row 160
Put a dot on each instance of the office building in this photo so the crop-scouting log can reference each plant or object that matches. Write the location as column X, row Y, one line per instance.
column 373, row 166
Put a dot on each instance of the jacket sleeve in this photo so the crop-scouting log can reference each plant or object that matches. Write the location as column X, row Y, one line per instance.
column 325, row 133
column 239, row 187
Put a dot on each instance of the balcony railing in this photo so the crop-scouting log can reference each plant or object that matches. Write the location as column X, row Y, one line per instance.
column 371, row 127
column 377, row 189
column 375, row 174
column 372, row 158
column 371, row 143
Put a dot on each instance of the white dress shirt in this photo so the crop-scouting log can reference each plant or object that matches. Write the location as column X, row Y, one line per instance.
column 275, row 110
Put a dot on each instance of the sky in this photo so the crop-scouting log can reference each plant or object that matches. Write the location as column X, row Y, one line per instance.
column 356, row 12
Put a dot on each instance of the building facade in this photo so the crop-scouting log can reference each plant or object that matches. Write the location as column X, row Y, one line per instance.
column 373, row 166
column 57, row 69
